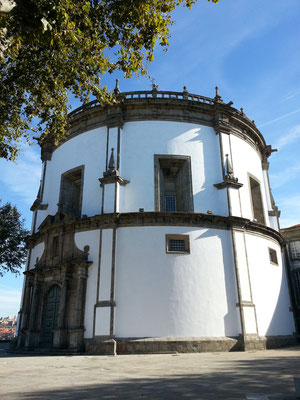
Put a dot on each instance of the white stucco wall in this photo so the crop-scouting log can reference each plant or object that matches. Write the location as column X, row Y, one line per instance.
column 88, row 149
column 141, row 140
column 90, row 238
column 163, row 295
column 246, row 160
column 269, row 288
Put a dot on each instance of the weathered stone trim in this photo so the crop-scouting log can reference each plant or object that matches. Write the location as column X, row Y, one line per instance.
column 112, row 287
column 186, row 344
column 109, row 221
column 167, row 106
column 98, row 281
column 245, row 304
column 250, row 286
column 38, row 206
column 238, row 284
column 105, row 303
column 113, row 179
column 228, row 183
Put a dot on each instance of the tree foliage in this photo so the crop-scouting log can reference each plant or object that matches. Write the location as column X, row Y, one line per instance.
column 12, row 240
column 49, row 48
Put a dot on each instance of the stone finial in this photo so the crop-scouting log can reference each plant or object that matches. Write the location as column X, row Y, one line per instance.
column 154, row 89
column 228, row 168
column 217, row 96
column 117, row 88
column 111, row 164
column 242, row 111
column 185, row 92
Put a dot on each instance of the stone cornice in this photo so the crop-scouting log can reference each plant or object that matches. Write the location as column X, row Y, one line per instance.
column 163, row 106
column 107, row 221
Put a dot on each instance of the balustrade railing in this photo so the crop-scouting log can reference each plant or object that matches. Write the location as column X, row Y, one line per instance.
column 148, row 94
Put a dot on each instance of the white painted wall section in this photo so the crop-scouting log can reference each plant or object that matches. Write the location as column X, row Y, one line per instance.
column 105, row 265
column 141, row 140
column 242, row 266
column 269, row 288
column 90, row 238
column 173, row 295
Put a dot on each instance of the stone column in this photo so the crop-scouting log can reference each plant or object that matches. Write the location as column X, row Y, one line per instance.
column 60, row 333
column 77, row 331
column 32, row 339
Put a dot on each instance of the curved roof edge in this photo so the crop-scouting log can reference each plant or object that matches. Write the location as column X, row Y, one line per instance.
column 162, row 106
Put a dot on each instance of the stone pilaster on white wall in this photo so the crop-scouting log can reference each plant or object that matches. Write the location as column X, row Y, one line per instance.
column 248, row 312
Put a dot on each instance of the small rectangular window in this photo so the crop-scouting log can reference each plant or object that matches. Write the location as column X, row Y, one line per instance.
column 273, row 256
column 170, row 203
column 295, row 249
column 178, row 244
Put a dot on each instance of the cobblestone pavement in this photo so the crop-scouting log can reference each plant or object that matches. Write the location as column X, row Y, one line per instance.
column 159, row 376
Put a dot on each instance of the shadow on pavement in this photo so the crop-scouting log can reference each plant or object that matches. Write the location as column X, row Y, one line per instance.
column 272, row 377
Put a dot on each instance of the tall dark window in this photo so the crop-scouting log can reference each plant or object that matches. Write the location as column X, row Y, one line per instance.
column 295, row 249
column 256, row 199
column 71, row 192
column 173, row 183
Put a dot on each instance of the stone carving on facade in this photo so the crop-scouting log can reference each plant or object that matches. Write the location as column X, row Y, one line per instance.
column 64, row 266
column 229, row 179
column 111, row 175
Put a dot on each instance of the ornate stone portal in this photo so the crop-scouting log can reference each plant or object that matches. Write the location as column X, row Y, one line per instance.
column 61, row 273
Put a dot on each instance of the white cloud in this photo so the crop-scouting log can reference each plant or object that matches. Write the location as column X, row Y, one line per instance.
column 290, row 137
column 279, row 118
column 22, row 177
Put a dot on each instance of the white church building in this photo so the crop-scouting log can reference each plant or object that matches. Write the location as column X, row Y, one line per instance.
column 155, row 230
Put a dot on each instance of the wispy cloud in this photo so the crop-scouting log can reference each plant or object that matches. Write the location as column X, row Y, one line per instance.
column 22, row 178
column 290, row 137
column 290, row 210
column 9, row 301
column 290, row 172
column 279, row 118
column 291, row 95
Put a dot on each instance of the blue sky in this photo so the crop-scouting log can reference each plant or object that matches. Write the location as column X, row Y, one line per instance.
column 251, row 50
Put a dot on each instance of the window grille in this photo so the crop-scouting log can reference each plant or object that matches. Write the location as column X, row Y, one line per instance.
column 170, row 203
column 295, row 249
column 273, row 256
column 177, row 244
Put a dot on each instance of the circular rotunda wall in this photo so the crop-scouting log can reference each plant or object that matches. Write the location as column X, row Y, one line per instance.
column 170, row 191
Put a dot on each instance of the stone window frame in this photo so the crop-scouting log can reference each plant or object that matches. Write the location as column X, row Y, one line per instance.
column 293, row 257
column 273, row 256
column 157, row 167
column 69, row 172
column 185, row 238
column 251, row 176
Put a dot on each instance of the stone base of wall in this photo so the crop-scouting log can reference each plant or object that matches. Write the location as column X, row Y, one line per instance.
column 98, row 346
column 186, row 345
column 275, row 342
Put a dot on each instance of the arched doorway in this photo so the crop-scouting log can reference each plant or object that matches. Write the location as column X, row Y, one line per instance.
column 50, row 316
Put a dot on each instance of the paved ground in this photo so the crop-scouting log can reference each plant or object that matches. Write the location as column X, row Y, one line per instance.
column 165, row 376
